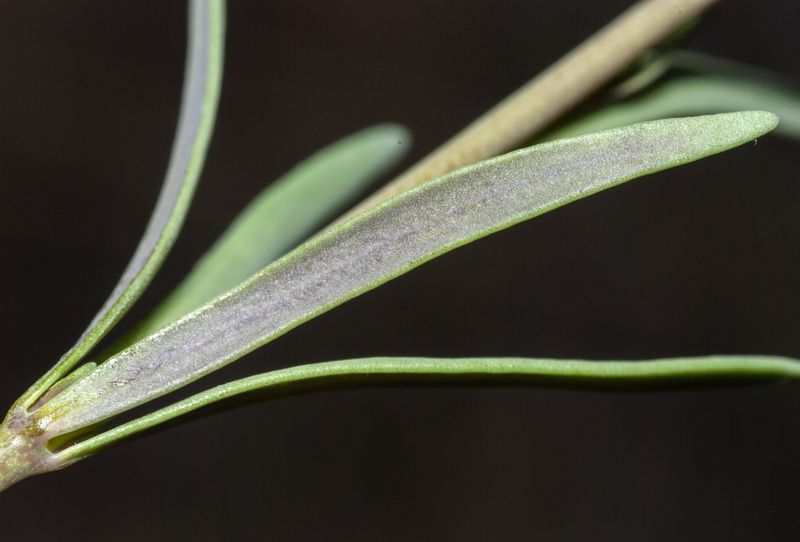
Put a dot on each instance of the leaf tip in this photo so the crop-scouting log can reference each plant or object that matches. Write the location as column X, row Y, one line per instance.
column 396, row 132
column 758, row 122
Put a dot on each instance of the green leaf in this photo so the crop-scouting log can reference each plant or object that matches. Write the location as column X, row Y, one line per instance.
column 198, row 109
column 281, row 217
column 544, row 373
column 722, row 86
column 382, row 244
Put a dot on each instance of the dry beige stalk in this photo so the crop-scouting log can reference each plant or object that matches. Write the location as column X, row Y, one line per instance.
column 549, row 95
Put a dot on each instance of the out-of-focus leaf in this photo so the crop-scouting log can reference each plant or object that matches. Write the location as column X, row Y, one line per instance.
column 281, row 217
column 719, row 87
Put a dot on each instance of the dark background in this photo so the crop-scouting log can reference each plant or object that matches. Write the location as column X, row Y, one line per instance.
column 697, row 260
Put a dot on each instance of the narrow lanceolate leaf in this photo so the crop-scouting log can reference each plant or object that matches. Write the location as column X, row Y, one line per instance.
column 717, row 85
column 545, row 373
column 281, row 217
column 383, row 243
column 694, row 95
column 198, row 109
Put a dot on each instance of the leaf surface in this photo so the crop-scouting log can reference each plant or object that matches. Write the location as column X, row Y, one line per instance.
column 384, row 243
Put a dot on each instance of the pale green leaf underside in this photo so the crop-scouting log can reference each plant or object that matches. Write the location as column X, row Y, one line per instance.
column 600, row 375
column 281, row 217
column 384, row 243
column 198, row 110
